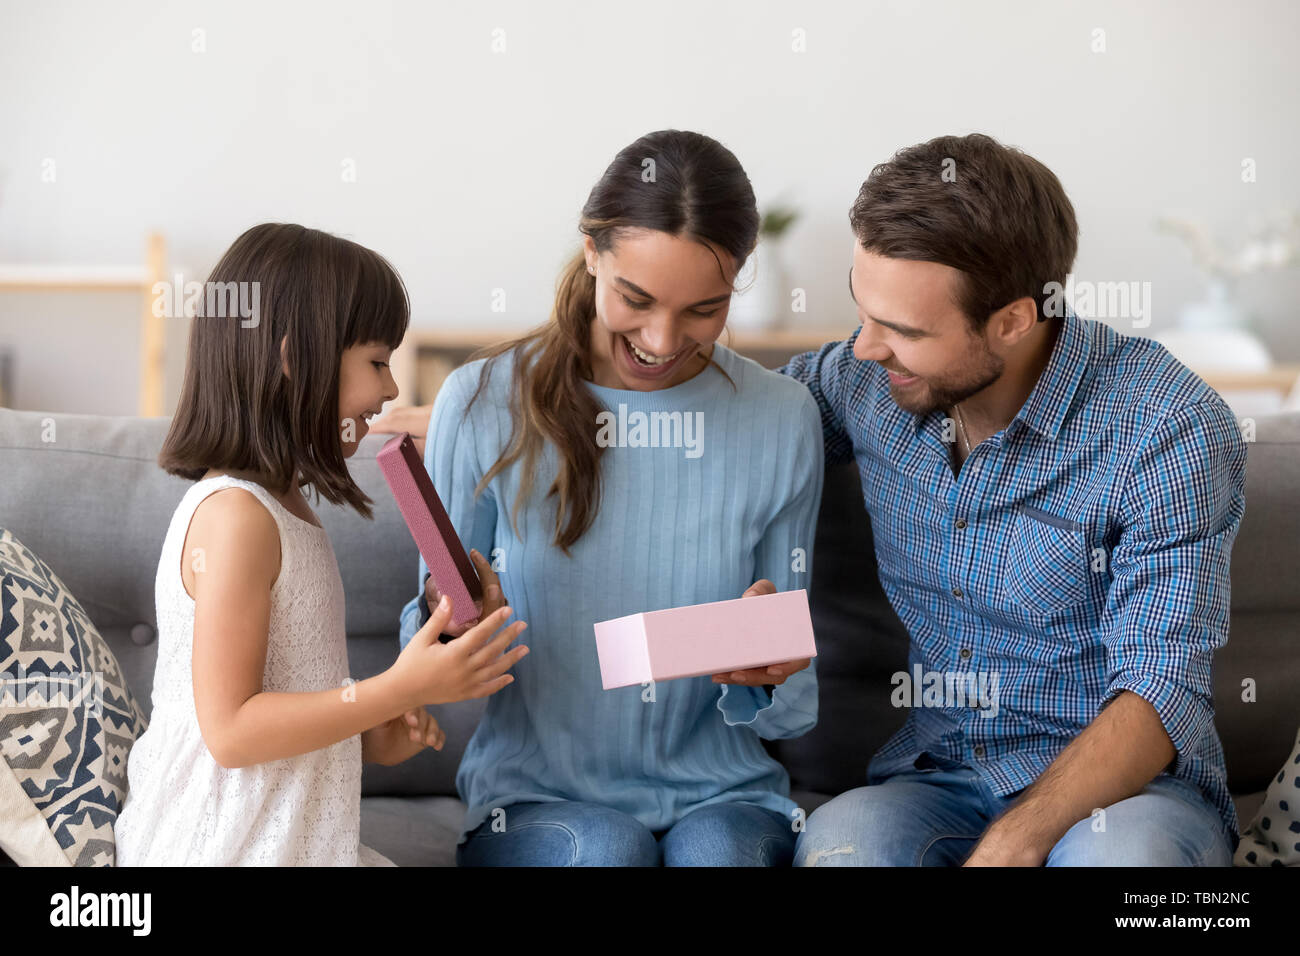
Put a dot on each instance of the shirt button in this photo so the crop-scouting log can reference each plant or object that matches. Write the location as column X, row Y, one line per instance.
column 979, row 750
column 961, row 523
column 143, row 634
column 965, row 653
column 956, row 592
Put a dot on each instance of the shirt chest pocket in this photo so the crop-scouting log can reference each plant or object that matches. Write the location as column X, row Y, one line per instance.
column 1048, row 563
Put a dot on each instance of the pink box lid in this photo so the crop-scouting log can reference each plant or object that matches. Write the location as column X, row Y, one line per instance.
column 450, row 567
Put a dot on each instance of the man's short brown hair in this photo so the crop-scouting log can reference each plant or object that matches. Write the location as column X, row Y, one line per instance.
column 991, row 211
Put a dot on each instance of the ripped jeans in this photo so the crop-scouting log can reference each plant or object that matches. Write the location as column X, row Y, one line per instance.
column 935, row 816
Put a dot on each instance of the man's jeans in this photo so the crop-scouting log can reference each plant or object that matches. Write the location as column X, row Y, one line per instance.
column 934, row 817
column 568, row 833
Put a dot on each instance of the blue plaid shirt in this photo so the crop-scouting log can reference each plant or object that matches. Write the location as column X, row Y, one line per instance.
column 1081, row 551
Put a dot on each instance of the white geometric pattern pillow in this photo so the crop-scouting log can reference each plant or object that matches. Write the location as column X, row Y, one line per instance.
column 1273, row 837
column 67, row 721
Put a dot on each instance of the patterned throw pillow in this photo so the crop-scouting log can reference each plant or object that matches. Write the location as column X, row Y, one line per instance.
column 1273, row 837
column 67, row 721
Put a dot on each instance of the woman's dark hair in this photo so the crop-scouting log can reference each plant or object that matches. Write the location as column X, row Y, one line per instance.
column 698, row 191
column 993, row 212
column 317, row 293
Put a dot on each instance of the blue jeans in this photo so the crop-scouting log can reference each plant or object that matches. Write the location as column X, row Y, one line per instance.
column 569, row 833
column 934, row 817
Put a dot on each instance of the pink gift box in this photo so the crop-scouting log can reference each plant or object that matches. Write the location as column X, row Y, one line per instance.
column 703, row 639
column 450, row 567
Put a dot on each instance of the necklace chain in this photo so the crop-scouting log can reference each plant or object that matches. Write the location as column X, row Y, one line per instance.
column 956, row 407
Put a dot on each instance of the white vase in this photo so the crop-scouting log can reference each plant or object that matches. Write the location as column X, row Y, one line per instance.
column 1218, row 310
column 1212, row 334
column 1219, row 350
column 764, row 301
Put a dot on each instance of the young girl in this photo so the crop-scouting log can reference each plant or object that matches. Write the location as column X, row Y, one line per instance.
column 254, row 748
column 584, row 527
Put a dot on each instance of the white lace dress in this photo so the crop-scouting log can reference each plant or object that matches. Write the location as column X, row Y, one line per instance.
column 184, row 808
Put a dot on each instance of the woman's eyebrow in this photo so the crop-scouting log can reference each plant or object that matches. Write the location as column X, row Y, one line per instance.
column 640, row 291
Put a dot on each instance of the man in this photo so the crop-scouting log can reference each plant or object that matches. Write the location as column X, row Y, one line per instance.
column 1053, row 505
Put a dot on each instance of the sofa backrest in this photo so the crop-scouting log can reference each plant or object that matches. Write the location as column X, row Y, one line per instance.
column 86, row 493
column 1257, row 675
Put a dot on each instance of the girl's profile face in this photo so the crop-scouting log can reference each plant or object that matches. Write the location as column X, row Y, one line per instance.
column 661, row 302
column 365, row 384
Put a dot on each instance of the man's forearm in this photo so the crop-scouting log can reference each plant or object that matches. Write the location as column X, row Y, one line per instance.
column 1121, row 751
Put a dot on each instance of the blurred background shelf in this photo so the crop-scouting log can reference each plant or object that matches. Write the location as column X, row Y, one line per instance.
column 106, row 278
column 427, row 356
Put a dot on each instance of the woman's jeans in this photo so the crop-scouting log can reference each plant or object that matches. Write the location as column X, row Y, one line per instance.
column 569, row 833
column 935, row 817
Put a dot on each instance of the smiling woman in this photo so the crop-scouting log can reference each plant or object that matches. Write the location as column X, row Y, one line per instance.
column 620, row 460
column 655, row 274
column 642, row 342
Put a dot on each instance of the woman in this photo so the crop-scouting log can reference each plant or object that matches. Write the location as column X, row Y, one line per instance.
column 534, row 449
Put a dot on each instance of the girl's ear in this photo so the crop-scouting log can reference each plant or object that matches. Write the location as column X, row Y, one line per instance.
column 284, row 356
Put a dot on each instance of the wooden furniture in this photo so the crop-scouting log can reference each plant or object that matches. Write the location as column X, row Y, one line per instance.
column 142, row 278
column 427, row 356
column 1251, row 394
column 1280, row 378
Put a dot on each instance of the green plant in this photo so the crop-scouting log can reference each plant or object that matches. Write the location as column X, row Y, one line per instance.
column 776, row 220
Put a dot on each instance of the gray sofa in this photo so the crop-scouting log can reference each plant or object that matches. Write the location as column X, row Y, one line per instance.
column 94, row 505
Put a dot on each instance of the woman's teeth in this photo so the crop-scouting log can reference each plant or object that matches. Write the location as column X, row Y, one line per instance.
column 649, row 359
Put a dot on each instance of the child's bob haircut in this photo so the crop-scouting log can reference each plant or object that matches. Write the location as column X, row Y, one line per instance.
column 316, row 295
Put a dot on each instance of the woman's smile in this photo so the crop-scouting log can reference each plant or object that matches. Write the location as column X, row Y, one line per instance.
column 659, row 367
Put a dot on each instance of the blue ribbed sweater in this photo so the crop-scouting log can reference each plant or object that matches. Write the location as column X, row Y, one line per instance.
column 676, row 526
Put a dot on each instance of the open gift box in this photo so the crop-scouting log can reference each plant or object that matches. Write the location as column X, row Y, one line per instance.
column 703, row 639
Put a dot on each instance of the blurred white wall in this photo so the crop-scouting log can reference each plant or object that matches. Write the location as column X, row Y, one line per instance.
column 471, row 165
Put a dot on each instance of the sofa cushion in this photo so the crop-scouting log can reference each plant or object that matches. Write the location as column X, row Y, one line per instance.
column 1271, row 835
column 413, row 831
column 1257, row 674
column 67, row 720
column 85, row 492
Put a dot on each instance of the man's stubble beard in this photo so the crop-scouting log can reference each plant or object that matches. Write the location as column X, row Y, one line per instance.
column 947, row 393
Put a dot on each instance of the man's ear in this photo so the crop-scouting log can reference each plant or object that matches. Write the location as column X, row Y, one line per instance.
column 284, row 356
column 1014, row 321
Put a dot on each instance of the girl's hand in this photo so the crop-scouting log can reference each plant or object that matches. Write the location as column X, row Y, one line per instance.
column 430, row 672
column 773, row 673
column 493, row 598
column 401, row 738
column 410, row 418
